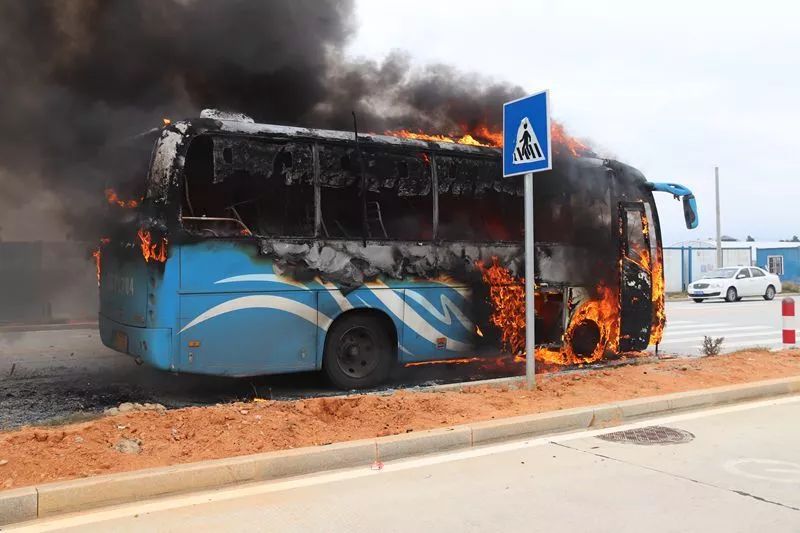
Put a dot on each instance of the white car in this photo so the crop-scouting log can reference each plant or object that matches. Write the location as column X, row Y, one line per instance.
column 734, row 283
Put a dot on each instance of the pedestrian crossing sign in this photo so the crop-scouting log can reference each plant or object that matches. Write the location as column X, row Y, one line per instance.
column 526, row 135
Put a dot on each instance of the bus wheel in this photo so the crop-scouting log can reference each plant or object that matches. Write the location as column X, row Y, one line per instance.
column 358, row 352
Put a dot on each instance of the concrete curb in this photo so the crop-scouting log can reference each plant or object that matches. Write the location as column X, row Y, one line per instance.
column 81, row 494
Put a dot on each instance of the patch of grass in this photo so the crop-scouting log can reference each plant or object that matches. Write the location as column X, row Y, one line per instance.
column 790, row 286
column 753, row 349
column 676, row 295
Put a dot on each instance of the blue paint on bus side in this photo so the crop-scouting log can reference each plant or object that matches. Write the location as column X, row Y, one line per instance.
column 219, row 307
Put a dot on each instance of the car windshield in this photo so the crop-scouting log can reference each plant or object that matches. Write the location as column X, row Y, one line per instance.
column 722, row 273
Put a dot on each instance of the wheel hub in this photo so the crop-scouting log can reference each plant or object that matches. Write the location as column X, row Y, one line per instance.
column 357, row 355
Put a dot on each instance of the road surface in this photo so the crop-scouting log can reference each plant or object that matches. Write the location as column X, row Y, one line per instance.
column 54, row 374
column 749, row 323
column 740, row 471
column 60, row 375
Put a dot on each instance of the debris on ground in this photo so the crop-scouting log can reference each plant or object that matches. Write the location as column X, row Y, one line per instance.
column 129, row 407
column 42, row 454
column 129, row 446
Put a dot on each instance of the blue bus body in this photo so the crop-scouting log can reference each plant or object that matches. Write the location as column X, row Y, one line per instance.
column 219, row 308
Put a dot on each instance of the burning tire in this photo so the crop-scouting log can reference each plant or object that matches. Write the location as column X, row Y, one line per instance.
column 358, row 352
column 586, row 341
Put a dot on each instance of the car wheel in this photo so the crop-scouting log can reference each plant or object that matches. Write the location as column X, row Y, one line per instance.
column 358, row 352
column 698, row 300
column 770, row 294
column 731, row 295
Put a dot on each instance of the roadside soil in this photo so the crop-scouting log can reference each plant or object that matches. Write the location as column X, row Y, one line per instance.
column 143, row 439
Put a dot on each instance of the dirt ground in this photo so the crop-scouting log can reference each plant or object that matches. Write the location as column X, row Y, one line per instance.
column 143, row 439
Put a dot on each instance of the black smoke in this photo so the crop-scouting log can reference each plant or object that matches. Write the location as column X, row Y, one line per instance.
column 79, row 75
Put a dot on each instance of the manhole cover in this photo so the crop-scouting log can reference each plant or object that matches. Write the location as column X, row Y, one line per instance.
column 649, row 435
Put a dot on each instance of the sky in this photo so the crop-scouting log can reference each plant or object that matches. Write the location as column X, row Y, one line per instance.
column 671, row 88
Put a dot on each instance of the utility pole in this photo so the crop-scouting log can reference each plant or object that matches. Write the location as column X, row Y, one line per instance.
column 719, row 230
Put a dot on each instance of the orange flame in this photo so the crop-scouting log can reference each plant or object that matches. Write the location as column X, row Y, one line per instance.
column 483, row 135
column 565, row 142
column 461, row 361
column 659, row 314
column 603, row 310
column 507, row 298
column 97, row 255
column 152, row 251
column 420, row 136
column 166, row 121
column 113, row 198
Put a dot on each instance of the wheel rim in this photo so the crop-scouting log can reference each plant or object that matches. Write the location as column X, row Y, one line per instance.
column 357, row 354
column 731, row 294
column 770, row 292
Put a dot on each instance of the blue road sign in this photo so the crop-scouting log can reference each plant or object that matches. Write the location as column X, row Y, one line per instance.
column 526, row 135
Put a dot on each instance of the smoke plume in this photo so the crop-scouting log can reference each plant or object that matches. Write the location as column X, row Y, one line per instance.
column 80, row 75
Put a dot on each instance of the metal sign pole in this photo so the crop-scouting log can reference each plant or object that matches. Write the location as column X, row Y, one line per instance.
column 530, row 284
column 527, row 148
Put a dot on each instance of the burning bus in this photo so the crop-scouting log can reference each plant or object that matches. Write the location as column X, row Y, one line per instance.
column 262, row 249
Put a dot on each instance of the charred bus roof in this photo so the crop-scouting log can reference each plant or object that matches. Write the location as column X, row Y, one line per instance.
column 240, row 127
column 175, row 135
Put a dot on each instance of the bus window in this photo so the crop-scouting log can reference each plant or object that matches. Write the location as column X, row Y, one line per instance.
column 475, row 203
column 399, row 197
column 257, row 186
column 340, row 192
column 635, row 242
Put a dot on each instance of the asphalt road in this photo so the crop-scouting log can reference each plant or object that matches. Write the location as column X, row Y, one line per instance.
column 56, row 375
column 739, row 471
column 749, row 323
column 61, row 375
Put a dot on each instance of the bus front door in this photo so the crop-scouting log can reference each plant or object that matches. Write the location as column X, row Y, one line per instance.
column 636, row 304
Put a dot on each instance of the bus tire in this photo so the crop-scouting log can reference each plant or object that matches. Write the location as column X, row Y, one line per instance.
column 358, row 352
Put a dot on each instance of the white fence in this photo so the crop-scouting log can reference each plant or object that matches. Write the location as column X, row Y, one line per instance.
column 686, row 264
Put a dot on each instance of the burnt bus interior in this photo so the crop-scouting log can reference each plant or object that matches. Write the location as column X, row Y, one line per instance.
column 265, row 187
column 430, row 212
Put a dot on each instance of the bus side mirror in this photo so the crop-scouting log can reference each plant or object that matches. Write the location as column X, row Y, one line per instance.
column 690, row 211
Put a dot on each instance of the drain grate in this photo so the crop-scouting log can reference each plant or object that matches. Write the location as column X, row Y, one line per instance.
column 649, row 435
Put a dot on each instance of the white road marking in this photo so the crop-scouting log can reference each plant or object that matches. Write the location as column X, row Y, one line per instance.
column 752, row 342
column 771, row 469
column 219, row 495
column 696, row 325
column 765, row 332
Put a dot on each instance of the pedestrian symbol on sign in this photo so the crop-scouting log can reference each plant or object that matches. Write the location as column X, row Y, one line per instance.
column 527, row 148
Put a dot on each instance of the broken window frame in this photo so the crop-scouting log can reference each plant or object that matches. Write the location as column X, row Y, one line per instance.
column 367, row 148
column 435, row 158
column 235, row 220
column 369, row 152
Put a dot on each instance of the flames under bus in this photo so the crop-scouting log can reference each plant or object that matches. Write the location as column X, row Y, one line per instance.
column 264, row 249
